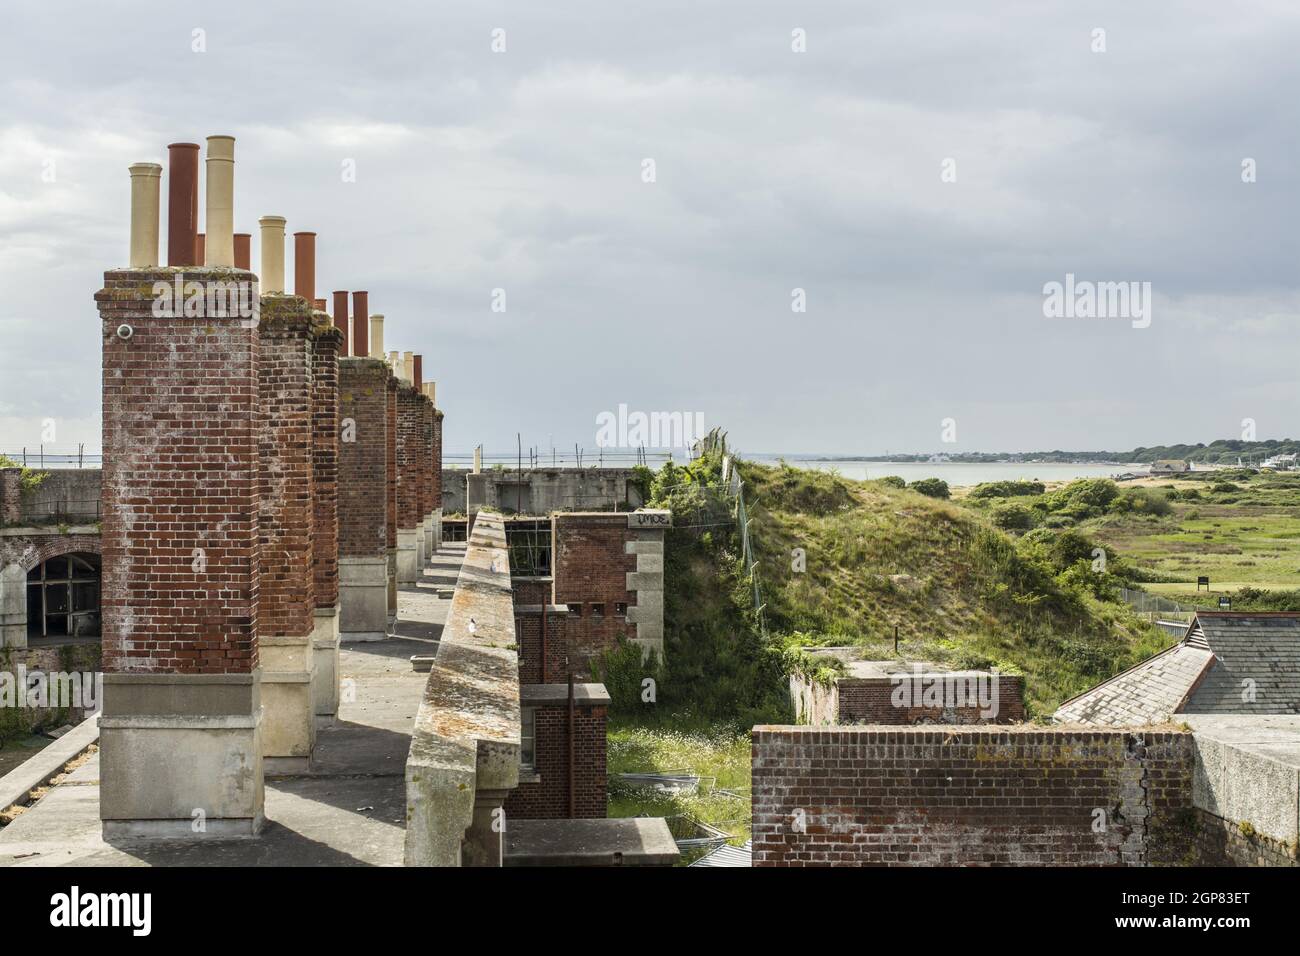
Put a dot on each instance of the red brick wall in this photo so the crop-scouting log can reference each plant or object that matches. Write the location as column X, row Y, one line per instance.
column 549, row 798
column 532, row 590
column 855, row 796
column 870, row 701
column 589, row 566
column 180, row 409
column 363, row 473
column 408, row 452
column 437, row 460
column 325, row 464
column 390, row 497
column 528, row 631
column 286, row 600
column 11, row 495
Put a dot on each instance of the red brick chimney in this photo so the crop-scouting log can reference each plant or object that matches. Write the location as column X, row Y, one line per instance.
column 199, row 257
column 417, row 372
column 341, row 318
column 304, row 265
column 182, row 204
column 243, row 250
column 360, row 324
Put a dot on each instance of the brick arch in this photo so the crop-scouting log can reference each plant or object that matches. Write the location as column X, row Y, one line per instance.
column 52, row 546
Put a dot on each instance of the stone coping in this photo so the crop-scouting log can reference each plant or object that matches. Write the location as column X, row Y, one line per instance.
column 613, row 841
column 586, row 695
column 466, row 733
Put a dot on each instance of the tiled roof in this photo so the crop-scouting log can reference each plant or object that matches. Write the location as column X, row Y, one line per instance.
column 1257, row 668
column 1146, row 694
column 1227, row 663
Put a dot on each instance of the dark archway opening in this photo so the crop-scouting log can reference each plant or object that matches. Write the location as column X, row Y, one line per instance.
column 63, row 597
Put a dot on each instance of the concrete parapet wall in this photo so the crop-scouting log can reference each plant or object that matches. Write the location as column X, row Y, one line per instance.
column 464, row 756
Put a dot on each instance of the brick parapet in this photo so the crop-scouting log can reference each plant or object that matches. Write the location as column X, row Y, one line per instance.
column 363, row 458
column 326, row 342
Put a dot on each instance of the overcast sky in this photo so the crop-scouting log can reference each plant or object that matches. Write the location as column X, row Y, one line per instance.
column 774, row 170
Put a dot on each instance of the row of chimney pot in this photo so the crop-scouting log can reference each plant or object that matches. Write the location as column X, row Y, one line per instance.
column 222, row 246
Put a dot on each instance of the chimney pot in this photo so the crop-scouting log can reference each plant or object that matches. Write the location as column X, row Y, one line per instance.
column 272, row 277
column 360, row 327
column 304, row 265
column 221, row 202
column 243, row 250
column 341, row 318
column 377, row 336
column 417, row 373
column 408, row 366
column 320, row 305
column 199, row 257
column 146, row 180
column 182, row 204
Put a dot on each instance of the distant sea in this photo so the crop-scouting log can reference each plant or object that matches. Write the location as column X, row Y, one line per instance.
column 958, row 474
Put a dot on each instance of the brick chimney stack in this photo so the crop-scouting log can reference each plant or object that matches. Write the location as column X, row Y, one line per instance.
column 146, row 180
column 304, row 265
column 182, row 204
column 221, row 201
column 341, row 319
column 360, row 324
column 417, row 373
column 199, row 251
column 321, row 305
column 272, row 275
column 244, row 250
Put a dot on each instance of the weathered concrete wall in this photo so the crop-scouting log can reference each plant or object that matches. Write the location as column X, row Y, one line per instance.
column 64, row 495
column 853, row 796
column 1247, row 787
column 541, row 491
column 464, row 756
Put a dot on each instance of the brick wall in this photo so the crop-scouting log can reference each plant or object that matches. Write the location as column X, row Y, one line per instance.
column 530, row 590
column 1221, row 842
column 286, row 447
column 180, row 411
column 970, row 796
column 529, row 637
column 426, row 456
column 437, row 459
column 870, row 701
column 325, row 463
column 590, row 566
column 363, row 474
column 409, row 475
column 11, row 495
column 390, row 452
column 548, row 797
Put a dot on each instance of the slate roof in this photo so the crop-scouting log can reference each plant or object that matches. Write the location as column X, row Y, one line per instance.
column 1205, row 673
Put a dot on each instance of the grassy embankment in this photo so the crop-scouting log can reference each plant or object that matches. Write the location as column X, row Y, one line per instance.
column 959, row 590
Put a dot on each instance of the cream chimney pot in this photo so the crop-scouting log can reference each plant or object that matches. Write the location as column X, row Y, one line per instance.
column 408, row 366
column 146, row 181
column 430, row 390
column 377, row 336
column 272, row 277
column 220, row 230
column 394, row 362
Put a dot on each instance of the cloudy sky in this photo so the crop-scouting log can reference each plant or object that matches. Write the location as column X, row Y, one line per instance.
column 827, row 170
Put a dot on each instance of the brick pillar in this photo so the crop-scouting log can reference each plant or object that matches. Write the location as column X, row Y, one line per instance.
column 391, row 502
column 362, row 499
column 11, row 496
column 437, row 478
column 325, row 518
column 180, row 551
column 426, row 475
column 409, row 479
column 286, row 602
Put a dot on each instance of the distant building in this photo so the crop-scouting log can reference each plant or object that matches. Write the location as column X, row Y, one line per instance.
column 1170, row 466
column 1227, row 663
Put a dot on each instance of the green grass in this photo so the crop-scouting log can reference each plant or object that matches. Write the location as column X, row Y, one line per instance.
column 957, row 588
column 721, row 752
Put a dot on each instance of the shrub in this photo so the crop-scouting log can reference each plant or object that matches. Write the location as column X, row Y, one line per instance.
column 931, row 487
column 1143, row 501
column 1007, row 489
column 893, row 481
column 1014, row 517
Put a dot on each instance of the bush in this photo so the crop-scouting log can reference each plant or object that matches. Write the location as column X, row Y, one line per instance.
column 893, row 481
column 1014, row 517
column 1086, row 498
column 1007, row 489
column 1142, row 501
column 931, row 487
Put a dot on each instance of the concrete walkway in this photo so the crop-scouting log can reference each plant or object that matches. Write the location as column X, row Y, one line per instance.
column 348, row 810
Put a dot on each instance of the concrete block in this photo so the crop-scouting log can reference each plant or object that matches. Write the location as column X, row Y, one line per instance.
column 650, row 601
column 363, row 599
column 13, row 606
column 408, row 556
column 645, row 580
column 643, row 547
column 650, row 564
column 325, row 673
column 288, row 710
